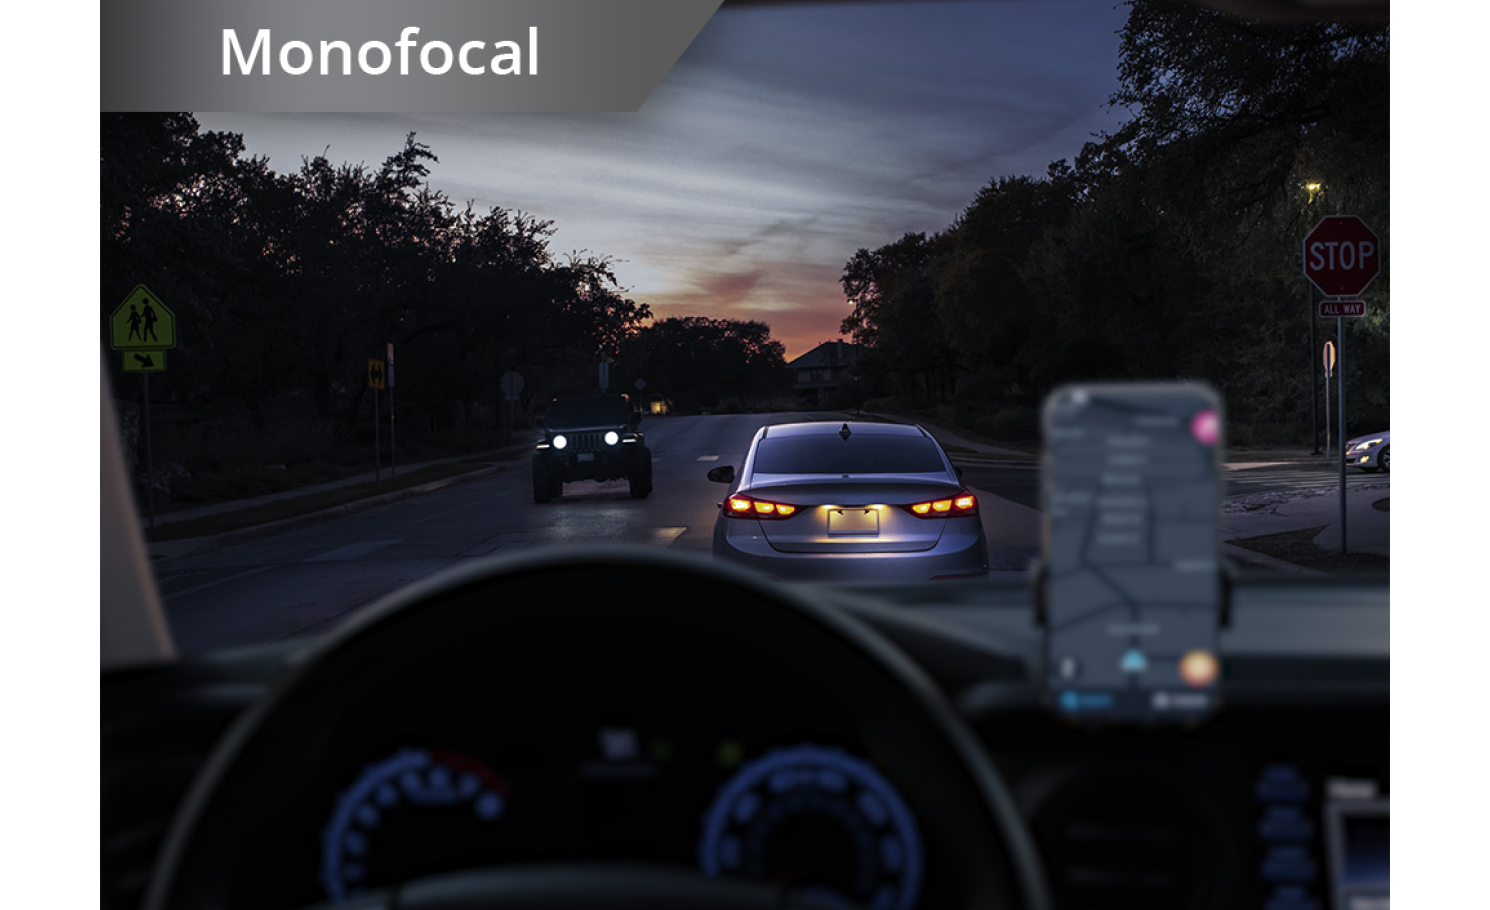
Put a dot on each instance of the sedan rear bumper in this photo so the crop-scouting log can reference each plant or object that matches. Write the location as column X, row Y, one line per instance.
column 959, row 553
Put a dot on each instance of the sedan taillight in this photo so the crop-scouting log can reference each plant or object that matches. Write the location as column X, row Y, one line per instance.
column 963, row 503
column 742, row 506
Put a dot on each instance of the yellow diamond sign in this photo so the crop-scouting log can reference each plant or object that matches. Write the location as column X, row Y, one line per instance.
column 142, row 323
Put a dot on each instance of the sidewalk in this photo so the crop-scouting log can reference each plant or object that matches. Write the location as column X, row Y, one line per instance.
column 1368, row 529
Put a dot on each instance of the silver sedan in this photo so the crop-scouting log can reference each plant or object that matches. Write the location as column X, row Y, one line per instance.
column 1370, row 453
column 849, row 502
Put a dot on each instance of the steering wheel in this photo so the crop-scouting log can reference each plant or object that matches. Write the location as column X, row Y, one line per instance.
column 979, row 854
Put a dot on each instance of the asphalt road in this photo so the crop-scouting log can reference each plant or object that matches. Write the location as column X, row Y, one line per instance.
column 308, row 580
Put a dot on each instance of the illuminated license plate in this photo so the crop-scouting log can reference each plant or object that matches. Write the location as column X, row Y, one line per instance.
column 585, row 456
column 853, row 522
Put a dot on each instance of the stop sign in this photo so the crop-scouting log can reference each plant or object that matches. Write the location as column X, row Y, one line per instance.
column 1341, row 256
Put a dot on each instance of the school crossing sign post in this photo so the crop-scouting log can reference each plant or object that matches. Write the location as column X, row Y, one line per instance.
column 143, row 328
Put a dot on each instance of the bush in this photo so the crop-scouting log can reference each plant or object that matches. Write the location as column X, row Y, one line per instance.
column 204, row 446
column 303, row 440
column 1013, row 424
column 902, row 405
column 462, row 440
column 1271, row 434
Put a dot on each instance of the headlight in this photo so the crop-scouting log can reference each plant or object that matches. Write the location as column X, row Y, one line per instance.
column 560, row 442
column 1361, row 447
column 612, row 438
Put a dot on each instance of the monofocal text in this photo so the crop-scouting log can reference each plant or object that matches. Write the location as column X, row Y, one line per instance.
column 475, row 58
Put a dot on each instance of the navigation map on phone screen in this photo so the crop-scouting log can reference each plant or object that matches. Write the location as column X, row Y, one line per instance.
column 1133, row 590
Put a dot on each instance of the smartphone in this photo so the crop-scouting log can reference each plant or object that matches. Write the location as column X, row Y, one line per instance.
column 1132, row 584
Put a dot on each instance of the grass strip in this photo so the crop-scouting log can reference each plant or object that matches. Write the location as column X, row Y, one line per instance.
column 1298, row 547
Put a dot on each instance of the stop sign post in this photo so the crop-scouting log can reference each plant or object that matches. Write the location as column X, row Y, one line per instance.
column 1341, row 257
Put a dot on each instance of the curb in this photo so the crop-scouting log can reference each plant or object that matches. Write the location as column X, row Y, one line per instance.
column 1252, row 559
column 991, row 463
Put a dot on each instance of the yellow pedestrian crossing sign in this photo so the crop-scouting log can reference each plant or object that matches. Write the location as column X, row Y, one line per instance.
column 142, row 323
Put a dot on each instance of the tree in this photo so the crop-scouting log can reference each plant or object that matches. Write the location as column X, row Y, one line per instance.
column 705, row 362
column 1232, row 119
column 984, row 294
column 895, row 318
column 285, row 285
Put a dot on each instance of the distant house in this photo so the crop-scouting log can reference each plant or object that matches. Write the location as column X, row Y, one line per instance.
column 823, row 371
column 654, row 404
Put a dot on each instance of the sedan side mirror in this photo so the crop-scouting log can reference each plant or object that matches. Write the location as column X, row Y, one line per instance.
column 725, row 473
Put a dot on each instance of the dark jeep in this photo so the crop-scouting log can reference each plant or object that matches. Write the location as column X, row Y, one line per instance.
column 591, row 437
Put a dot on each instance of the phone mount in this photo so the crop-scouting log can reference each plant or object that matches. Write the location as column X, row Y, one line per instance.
column 1039, row 575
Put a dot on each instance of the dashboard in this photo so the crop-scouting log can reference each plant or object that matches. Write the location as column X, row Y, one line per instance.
column 627, row 742
column 882, row 748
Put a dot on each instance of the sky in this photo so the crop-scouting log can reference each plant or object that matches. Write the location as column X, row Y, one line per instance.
column 782, row 141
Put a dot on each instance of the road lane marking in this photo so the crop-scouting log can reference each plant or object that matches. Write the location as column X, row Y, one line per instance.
column 482, row 502
column 351, row 551
column 708, row 458
column 500, row 542
column 212, row 584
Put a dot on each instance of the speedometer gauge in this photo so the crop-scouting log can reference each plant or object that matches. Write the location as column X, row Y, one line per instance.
column 819, row 821
column 417, row 812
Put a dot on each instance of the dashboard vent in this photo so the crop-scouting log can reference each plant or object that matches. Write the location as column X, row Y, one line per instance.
column 136, row 813
column 155, row 737
column 1140, row 839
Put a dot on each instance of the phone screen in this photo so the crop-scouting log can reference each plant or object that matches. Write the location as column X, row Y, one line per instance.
column 1133, row 586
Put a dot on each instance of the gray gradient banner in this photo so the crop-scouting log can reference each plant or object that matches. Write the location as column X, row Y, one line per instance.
column 591, row 55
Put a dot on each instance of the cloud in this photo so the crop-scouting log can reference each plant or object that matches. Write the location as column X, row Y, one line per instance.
column 785, row 139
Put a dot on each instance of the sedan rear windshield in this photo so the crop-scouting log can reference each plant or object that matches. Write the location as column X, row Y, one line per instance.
column 862, row 453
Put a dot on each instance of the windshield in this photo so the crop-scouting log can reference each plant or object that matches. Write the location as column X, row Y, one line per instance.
column 861, row 453
column 588, row 412
column 334, row 341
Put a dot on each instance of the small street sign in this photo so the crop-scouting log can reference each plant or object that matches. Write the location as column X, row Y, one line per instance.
column 1338, row 308
column 512, row 383
column 375, row 378
column 144, row 361
column 1329, row 361
column 390, row 364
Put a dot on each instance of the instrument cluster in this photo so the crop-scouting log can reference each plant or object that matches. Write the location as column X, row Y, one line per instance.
column 628, row 750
